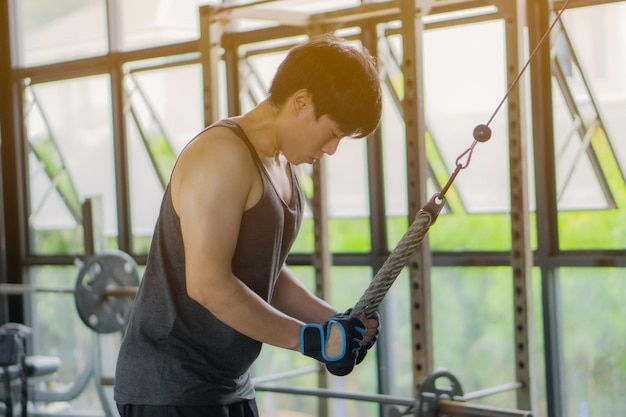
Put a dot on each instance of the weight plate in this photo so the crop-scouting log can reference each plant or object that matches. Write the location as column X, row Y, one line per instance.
column 438, row 385
column 98, row 274
column 450, row 388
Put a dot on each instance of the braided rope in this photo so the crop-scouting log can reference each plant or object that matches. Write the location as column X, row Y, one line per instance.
column 398, row 258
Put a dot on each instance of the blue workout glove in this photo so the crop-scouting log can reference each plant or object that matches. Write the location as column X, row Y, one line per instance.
column 370, row 343
column 313, row 339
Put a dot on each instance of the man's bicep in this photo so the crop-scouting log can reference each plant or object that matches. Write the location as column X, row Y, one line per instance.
column 210, row 206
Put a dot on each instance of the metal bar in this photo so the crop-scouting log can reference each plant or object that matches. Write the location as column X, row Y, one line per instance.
column 210, row 43
column 97, row 376
column 415, row 134
column 121, row 291
column 21, row 289
column 322, row 258
column 121, row 162
column 101, row 64
column 590, row 258
column 94, row 236
column 521, row 255
column 538, row 16
column 185, row 59
column 12, row 164
column 68, row 413
column 491, row 391
column 572, row 4
column 444, row 407
column 378, row 221
column 459, row 409
column 233, row 84
column 326, row 393
column 285, row 375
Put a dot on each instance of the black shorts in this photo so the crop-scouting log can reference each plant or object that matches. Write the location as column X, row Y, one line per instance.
column 243, row 409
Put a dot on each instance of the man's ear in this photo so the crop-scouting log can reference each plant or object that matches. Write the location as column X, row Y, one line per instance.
column 302, row 100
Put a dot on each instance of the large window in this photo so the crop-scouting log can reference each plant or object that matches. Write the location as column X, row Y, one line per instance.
column 60, row 31
column 69, row 133
column 112, row 91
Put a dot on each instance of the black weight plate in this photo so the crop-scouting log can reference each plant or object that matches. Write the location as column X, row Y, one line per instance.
column 450, row 388
column 98, row 274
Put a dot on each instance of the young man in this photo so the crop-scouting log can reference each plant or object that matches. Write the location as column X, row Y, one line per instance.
column 215, row 287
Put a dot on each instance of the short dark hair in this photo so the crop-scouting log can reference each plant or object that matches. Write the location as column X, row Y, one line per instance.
column 342, row 80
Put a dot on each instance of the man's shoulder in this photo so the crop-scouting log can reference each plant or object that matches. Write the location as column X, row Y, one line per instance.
column 220, row 142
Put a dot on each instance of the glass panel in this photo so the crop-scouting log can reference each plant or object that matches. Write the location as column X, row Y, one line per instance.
column 591, row 155
column 293, row 12
column 59, row 332
column 68, row 126
column 146, row 23
column 396, row 337
column 164, row 113
column 274, row 361
column 347, row 180
column 597, row 34
column 60, row 30
column 459, row 96
column 346, row 286
column 472, row 310
column 394, row 157
column 478, row 201
column 347, row 196
column 593, row 324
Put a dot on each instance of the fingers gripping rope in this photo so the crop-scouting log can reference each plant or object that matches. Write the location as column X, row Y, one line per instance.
column 398, row 258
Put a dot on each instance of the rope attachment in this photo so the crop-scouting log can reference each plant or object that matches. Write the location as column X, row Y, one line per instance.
column 398, row 258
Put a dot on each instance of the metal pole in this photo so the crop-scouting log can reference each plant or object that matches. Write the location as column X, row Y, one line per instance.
column 458, row 409
column 415, row 128
column 546, row 211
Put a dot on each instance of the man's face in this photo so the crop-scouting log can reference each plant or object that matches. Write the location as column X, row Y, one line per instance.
column 309, row 139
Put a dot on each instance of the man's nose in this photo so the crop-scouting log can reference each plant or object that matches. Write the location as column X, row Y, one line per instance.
column 331, row 147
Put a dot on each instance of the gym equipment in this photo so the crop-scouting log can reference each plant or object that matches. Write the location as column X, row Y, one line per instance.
column 440, row 394
column 16, row 365
column 105, row 287
column 446, row 398
column 104, row 291
column 397, row 259
column 13, row 353
column 426, row 216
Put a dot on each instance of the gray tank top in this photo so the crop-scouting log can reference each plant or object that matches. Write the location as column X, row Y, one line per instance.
column 175, row 352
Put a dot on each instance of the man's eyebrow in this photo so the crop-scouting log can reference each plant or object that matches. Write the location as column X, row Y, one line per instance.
column 340, row 134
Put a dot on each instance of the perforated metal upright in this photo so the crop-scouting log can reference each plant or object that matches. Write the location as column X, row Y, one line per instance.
column 521, row 252
column 417, row 171
column 211, row 30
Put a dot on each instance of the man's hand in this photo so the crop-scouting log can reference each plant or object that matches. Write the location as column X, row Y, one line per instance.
column 371, row 331
column 370, row 336
column 336, row 343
